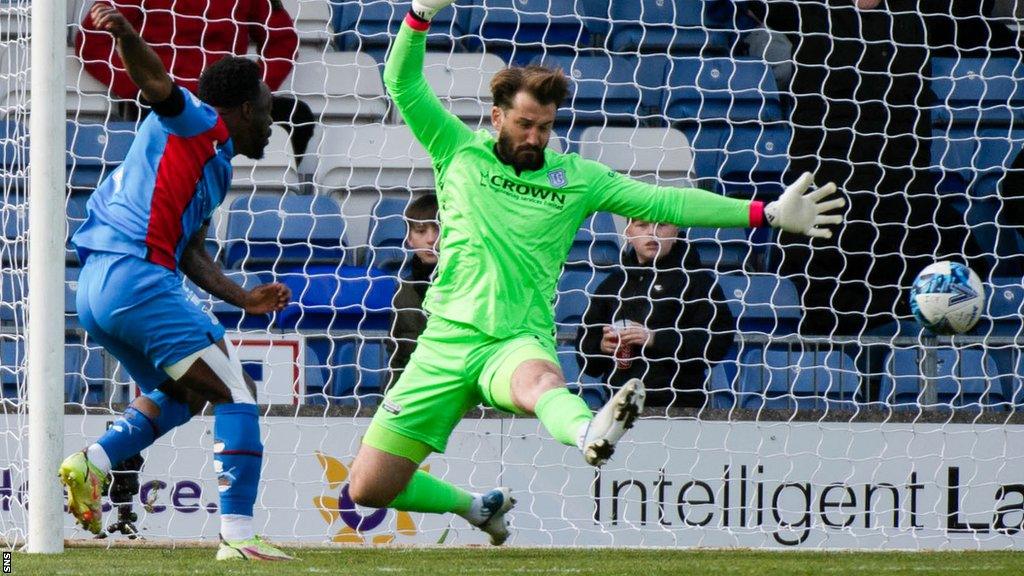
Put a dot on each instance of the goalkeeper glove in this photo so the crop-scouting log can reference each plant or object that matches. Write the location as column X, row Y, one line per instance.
column 426, row 9
column 802, row 213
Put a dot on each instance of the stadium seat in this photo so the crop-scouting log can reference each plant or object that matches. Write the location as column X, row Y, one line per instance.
column 387, row 236
column 782, row 378
column 317, row 371
column 655, row 155
column 718, row 89
column 964, row 378
column 84, row 378
column 606, row 90
column 338, row 86
column 596, row 243
column 274, row 172
column 312, row 20
column 372, row 156
column 462, row 82
column 95, row 150
column 360, row 368
column 76, row 213
column 521, row 30
column 722, row 385
column 274, row 231
column 1005, row 308
column 337, row 298
column 230, row 316
column 655, row 26
column 86, row 97
column 721, row 249
column 977, row 91
column 12, row 368
column 14, row 220
column 763, row 303
column 13, row 297
column 593, row 390
column 575, row 287
column 741, row 158
column 369, row 26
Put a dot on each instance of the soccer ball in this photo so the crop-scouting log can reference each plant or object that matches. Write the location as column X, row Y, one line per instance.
column 947, row 298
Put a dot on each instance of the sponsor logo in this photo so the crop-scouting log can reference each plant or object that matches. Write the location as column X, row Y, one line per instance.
column 356, row 526
column 524, row 191
column 557, row 178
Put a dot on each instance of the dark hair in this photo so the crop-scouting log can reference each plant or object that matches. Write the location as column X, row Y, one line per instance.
column 546, row 85
column 230, row 82
column 422, row 209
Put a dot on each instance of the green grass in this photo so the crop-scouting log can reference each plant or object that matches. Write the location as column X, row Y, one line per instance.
column 511, row 561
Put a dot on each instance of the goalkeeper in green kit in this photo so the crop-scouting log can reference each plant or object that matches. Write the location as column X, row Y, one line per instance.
column 509, row 210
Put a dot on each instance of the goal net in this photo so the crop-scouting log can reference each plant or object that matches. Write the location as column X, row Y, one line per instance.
column 794, row 401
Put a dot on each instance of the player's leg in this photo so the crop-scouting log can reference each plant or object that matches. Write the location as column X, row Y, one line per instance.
column 416, row 418
column 86, row 473
column 524, row 378
column 215, row 374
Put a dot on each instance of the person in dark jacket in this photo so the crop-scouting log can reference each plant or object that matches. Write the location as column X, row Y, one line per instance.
column 656, row 319
column 409, row 319
column 861, row 116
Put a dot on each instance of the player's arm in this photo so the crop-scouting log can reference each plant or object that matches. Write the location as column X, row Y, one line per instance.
column 143, row 65
column 440, row 132
column 197, row 264
column 795, row 211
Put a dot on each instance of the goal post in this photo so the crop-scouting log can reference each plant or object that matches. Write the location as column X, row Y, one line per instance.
column 47, row 232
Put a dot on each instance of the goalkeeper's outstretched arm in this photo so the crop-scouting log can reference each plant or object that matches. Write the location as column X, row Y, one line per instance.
column 440, row 132
column 796, row 211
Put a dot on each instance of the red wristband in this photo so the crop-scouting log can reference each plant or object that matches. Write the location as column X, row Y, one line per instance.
column 416, row 23
column 756, row 214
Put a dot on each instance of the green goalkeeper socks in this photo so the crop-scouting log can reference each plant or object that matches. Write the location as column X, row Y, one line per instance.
column 564, row 414
column 426, row 493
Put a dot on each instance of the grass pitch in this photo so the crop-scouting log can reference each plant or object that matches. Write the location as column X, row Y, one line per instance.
column 512, row 561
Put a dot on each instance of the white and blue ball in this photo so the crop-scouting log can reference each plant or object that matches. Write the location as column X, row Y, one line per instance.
column 947, row 298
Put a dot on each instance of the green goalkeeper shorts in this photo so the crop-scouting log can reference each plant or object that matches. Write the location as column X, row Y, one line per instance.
column 454, row 368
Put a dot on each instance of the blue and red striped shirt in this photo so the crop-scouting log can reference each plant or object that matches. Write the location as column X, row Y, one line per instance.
column 176, row 173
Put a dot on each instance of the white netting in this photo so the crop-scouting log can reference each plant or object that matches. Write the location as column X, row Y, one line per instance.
column 827, row 418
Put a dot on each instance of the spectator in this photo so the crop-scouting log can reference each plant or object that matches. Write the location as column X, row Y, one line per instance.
column 409, row 320
column 861, row 119
column 190, row 35
column 656, row 320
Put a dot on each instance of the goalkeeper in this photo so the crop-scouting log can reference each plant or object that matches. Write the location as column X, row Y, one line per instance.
column 509, row 210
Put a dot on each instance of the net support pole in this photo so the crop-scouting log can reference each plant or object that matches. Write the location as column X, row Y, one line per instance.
column 47, row 230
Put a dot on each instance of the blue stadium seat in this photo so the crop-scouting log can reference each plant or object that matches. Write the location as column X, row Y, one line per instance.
column 13, row 296
column 575, row 288
column 14, row 149
column 84, row 377
column 360, row 369
column 1005, row 308
column 12, row 368
column 593, row 390
column 763, row 303
column 732, row 249
column 979, row 156
column 741, row 157
column 95, row 150
column 735, row 89
column 596, row 242
column 317, row 371
column 607, row 90
column 339, row 298
column 14, row 220
column 387, row 236
column 722, row 384
column 520, row 30
column 965, row 378
column 230, row 316
column 976, row 91
column 781, row 378
column 275, row 231
column 657, row 26
column 370, row 25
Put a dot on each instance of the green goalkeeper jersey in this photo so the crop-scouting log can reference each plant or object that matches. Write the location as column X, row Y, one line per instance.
column 505, row 236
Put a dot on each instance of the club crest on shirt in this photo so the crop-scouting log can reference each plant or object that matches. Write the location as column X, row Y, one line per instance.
column 557, row 178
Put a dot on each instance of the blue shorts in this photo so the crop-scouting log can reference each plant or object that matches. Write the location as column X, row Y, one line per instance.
column 140, row 312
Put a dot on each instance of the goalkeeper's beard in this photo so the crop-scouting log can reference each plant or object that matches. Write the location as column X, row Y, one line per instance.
column 525, row 157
